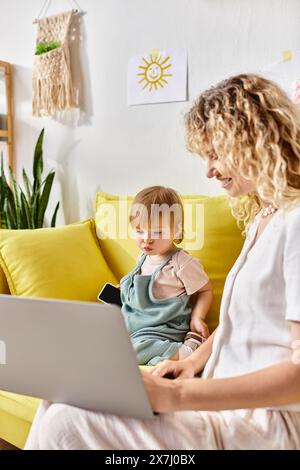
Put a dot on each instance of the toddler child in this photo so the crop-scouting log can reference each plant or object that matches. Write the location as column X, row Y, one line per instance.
column 156, row 295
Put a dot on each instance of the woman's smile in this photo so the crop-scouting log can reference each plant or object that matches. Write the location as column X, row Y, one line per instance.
column 226, row 182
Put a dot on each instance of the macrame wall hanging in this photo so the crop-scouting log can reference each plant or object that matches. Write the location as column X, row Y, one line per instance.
column 53, row 90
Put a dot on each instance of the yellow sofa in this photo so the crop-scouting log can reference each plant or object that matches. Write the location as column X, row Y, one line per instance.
column 73, row 263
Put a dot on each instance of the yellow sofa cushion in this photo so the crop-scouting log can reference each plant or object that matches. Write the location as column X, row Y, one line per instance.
column 16, row 416
column 217, row 243
column 4, row 289
column 20, row 406
column 63, row 263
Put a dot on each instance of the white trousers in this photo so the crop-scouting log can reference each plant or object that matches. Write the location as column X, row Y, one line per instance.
column 59, row 426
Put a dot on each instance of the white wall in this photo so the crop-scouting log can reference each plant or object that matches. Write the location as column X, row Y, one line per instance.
column 121, row 149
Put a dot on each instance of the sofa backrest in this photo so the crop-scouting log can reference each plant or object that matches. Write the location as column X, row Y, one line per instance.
column 4, row 289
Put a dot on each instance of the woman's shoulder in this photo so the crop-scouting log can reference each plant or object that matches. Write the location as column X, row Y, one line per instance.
column 292, row 218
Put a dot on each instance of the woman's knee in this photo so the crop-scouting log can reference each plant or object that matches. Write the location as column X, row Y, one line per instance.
column 54, row 426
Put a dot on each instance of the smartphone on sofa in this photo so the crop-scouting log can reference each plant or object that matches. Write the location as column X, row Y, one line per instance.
column 110, row 295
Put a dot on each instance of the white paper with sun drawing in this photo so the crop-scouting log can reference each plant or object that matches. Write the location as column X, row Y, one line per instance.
column 157, row 77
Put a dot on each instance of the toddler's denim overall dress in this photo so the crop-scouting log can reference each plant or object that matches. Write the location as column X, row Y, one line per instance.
column 157, row 327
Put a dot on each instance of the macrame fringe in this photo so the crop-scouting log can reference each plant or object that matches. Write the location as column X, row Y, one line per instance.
column 51, row 96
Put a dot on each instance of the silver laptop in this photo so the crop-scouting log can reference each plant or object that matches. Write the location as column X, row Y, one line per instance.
column 70, row 352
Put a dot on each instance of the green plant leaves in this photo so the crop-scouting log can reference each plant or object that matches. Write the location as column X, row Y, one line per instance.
column 16, row 199
column 25, row 209
column 27, row 184
column 43, row 202
column 43, row 47
column 26, row 212
column 53, row 221
column 38, row 165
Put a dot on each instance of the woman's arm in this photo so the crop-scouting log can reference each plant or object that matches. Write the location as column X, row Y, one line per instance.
column 295, row 330
column 273, row 386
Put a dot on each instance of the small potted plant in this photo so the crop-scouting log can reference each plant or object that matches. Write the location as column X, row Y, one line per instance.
column 25, row 208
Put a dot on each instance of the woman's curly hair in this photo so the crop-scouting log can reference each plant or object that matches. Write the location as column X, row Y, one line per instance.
column 253, row 128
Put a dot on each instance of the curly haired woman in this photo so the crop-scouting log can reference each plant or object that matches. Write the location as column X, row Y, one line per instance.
column 248, row 397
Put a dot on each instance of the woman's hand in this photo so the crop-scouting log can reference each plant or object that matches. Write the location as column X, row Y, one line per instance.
column 163, row 394
column 174, row 369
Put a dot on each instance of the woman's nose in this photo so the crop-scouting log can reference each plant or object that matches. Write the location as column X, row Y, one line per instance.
column 211, row 171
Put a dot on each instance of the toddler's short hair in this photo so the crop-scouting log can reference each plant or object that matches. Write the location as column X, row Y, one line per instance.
column 156, row 201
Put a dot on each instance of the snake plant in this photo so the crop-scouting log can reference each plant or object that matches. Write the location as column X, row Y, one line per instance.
column 25, row 208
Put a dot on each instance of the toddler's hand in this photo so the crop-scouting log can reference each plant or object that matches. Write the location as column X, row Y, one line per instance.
column 199, row 326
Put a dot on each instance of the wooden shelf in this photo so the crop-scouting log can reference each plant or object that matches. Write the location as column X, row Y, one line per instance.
column 8, row 133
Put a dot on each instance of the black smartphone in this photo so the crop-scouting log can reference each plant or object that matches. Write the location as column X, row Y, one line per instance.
column 110, row 295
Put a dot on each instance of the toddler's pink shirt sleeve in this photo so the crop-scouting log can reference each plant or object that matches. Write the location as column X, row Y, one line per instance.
column 190, row 272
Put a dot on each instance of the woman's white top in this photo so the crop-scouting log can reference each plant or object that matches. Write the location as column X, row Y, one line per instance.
column 261, row 293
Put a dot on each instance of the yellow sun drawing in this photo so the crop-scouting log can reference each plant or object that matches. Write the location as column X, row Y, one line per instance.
column 154, row 72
